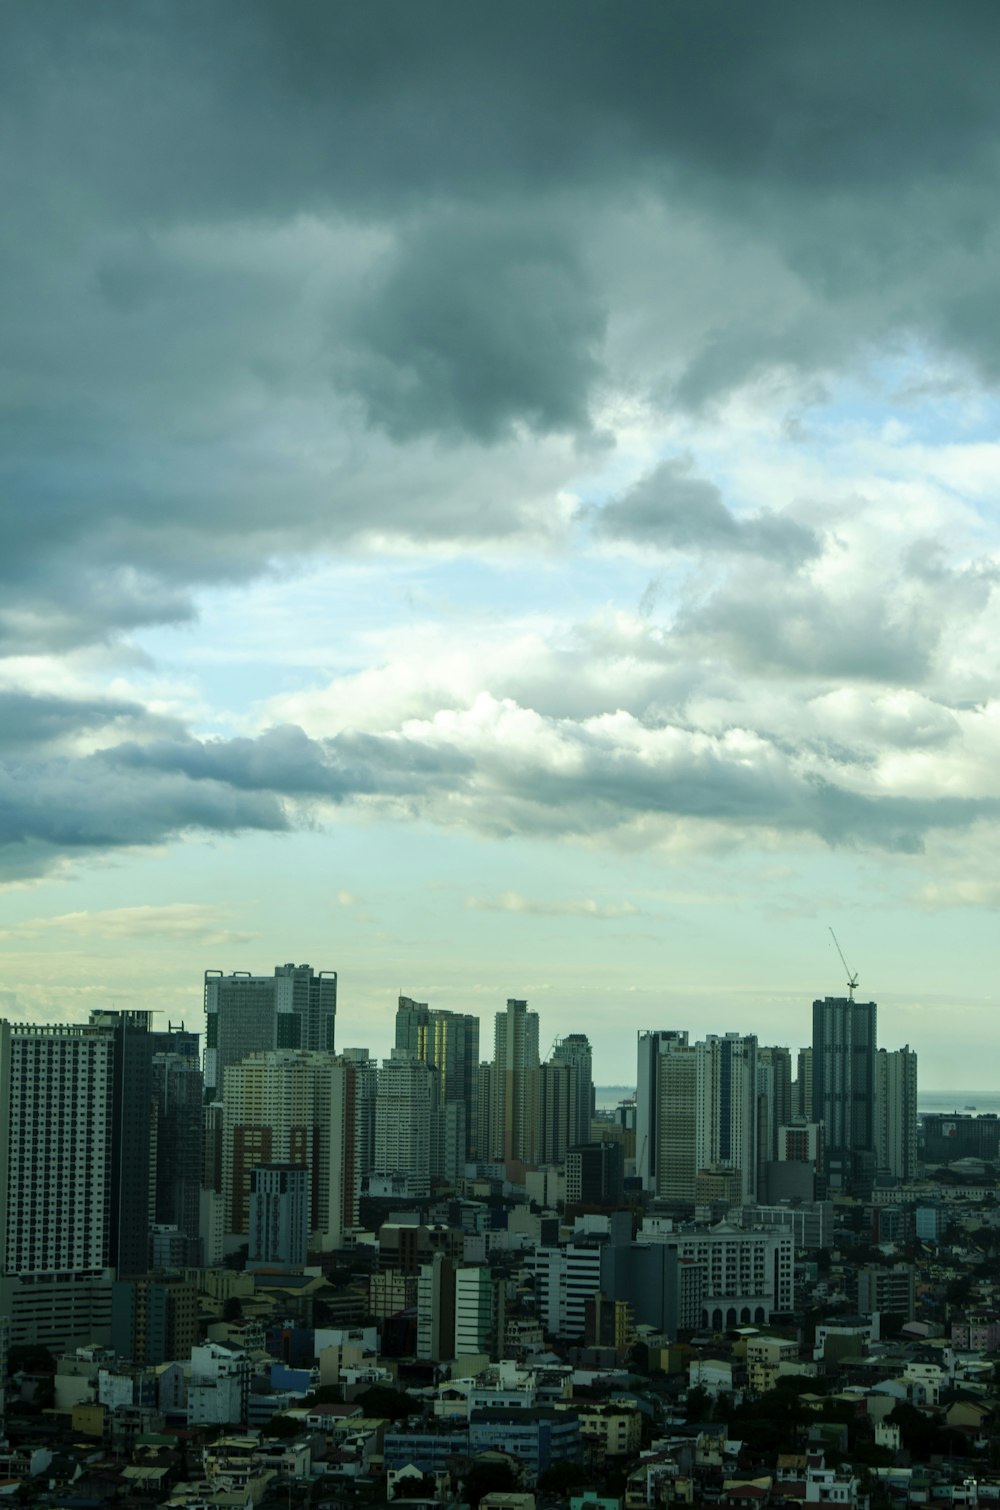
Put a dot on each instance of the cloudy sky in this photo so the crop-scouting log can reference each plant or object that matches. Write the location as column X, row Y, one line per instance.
column 502, row 500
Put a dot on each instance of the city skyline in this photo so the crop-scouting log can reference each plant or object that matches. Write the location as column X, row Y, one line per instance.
column 504, row 503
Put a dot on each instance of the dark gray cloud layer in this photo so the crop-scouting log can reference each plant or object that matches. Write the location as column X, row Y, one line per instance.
column 672, row 509
column 170, row 359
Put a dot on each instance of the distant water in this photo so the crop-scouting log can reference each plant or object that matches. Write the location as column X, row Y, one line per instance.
column 608, row 1097
column 958, row 1101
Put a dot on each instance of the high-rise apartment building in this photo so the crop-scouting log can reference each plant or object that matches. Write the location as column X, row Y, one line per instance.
column 575, row 1051
column 405, row 1101
column 279, row 1216
column 896, row 1112
column 555, row 1115
column 76, row 1115
column 449, row 1043
column 697, row 1107
column 365, row 1092
column 515, row 1060
column 652, row 1044
column 774, row 1097
column 295, row 1008
column 291, row 1107
column 843, row 1089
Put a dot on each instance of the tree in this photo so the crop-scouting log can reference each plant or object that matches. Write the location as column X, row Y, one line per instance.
column 487, row 1478
column 392, row 1404
column 563, row 1478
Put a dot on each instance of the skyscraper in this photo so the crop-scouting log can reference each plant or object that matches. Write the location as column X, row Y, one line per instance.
column 296, row 1008
column 575, row 1051
column 295, row 1107
column 180, row 1147
column 515, row 1059
column 698, row 1107
column 652, row 1043
column 843, row 1088
column 76, row 1115
column 896, row 1112
column 555, row 1114
column 449, row 1043
column 403, row 1107
column 366, row 1092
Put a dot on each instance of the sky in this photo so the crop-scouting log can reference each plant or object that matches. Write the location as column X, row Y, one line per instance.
column 501, row 500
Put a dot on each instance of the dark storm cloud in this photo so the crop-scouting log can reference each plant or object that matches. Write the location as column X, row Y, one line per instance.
column 28, row 719
column 475, row 327
column 169, row 370
column 287, row 761
column 673, row 509
column 54, row 809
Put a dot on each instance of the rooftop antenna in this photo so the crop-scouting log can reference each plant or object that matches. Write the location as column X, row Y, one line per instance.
column 852, row 980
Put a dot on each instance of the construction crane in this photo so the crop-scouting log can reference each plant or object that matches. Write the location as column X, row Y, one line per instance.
column 852, row 980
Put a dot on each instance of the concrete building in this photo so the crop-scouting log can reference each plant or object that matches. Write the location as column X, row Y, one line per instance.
column 365, row 1098
column 219, row 1387
column 178, row 1093
column 154, row 1320
column 843, row 1089
column 595, row 1174
column 279, row 1216
column 479, row 1311
column 296, row 1008
column 896, row 1113
column 565, row 1279
column 406, row 1097
column 748, row 1275
column 555, row 1112
column 652, row 1043
column 575, row 1051
column 76, row 1130
column 291, row 1107
column 449, row 1043
column 515, row 1060
column 436, row 1310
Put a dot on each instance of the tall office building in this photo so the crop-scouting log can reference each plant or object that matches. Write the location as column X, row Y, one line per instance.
column 180, row 1147
column 515, row 1060
column 296, row 1008
column 296, row 1107
column 449, row 1043
column 896, row 1112
column 843, row 1089
column 652, row 1044
column 76, row 1115
column 403, row 1107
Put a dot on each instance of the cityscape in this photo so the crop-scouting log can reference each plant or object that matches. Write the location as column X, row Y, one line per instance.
column 449, row 1275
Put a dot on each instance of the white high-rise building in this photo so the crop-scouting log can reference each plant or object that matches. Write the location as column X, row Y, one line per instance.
column 697, row 1109
column 76, row 1170
column 896, row 1112
column 291, row 1107
column 403, row 1120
